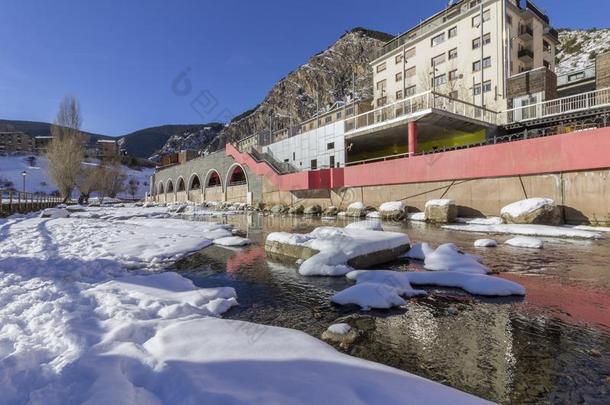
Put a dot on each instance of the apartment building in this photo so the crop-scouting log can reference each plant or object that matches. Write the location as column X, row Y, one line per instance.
column 466, row 51
column 17, row 142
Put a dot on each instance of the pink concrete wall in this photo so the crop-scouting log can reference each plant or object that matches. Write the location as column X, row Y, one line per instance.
column 587, row 150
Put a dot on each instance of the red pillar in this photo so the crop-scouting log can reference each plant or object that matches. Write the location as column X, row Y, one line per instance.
column 412, row 146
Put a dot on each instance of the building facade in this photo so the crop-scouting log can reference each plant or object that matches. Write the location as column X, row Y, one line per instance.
column 16, row 142
column 466, row 51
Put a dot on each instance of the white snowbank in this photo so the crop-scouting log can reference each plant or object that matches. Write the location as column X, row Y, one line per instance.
column 371, row 225
column 439, row 202
column 527, row 230
column 603, row 229
column 356, row 206
column 524, row 207
column 373, row 214
column 480, row 221
column 448, row 257
column 419, row 251
column 232, row 241
column 337, row 246
column 339, row 328
column 369, row 295
column 485, row 243
column 417, row 216
column 390, row 278
column 478, row 284
column 392, row 206
column 525, row 242
column 55, row 213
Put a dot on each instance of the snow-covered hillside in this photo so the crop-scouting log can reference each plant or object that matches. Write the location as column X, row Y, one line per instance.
column 38, row 180
column 578, row 48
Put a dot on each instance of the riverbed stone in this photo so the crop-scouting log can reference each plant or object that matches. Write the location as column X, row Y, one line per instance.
column 297, row 209
column 331, row 211
column 279, row 209
column 313, row 210
column 356, row 210
column 441, row 211
column 344, row 340
column 548, row 213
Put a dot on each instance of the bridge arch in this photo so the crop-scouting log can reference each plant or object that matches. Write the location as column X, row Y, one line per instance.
column 194, row 189
column 181, row 195
column 170, row 194
column 236, row 184
column 213, row 189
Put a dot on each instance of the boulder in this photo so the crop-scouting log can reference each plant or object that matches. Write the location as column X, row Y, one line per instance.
column 356, row 210
column 313, row 210
column 441, row 211
column 393, row 210
column 279, row 209
column 331, row 211
column 297, row 209
column 342, row 334
column 542, row 211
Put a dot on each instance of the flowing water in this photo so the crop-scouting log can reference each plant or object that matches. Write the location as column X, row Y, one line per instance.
column 552, row 346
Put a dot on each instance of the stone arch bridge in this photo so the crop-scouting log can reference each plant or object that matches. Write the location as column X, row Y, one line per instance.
column 214, row 177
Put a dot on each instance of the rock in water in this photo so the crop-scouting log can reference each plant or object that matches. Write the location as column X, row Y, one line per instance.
column 297, row 209
column 441, row 211
column 313, row 210
column 356, row 210
column 542, row 211
column 393, row 210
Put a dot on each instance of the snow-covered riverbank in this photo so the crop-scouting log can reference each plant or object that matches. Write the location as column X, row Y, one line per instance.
column 86, row 315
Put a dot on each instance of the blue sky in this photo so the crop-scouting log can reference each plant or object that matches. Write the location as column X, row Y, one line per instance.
column 120, row 58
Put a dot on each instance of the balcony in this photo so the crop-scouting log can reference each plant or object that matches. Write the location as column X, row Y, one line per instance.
column 526, row 55
column 526, row 33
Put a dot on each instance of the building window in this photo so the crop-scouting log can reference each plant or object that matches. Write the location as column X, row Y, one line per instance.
column 398, row 58
column 453, row 54
column 453, row 32
column 349, row 112
column 330, row 145
column 328, row 119
column 293, row 156
column 476, row 43
column 381, row 101
column 509, row 20
column 477, row 89
column 546, row 46
column 476, row 66
column 398, row 76
column 332, row 161
column 438, row 60
column 410, row 91
column 314, row 164
column 576, row 76
column 381, row 67
column 409, row 53
column 474, row 3
column 439, row 80
column 546, row 64
column 453, row 75
column 487, row 86
column 381, row 85
column 437, row 40
column 339, row 115
column 453, row 94
column 399, row 95
column 412, row 71
column 477, row 18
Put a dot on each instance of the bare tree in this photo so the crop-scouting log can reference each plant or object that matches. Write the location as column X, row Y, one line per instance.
column 132, row 187
column 112, row 179
column 88, row 181
column 66, row 150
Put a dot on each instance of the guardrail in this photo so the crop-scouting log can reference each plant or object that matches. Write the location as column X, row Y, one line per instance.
column 17, row 201
column 558, row 106
column 417, row 104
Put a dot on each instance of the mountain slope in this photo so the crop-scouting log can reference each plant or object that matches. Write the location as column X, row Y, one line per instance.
column 147, row 141
column 578, row 48
column 36, row 128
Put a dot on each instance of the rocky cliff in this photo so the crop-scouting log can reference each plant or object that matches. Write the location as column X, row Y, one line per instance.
column 578, row 48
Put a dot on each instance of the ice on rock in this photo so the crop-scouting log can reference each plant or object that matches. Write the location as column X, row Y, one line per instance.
column 485, row 243
column 419, row 251
column 398, row 280
column 448, row 257
column 525, row 242
column 392, row 206
column 417, row 216
column 356, row 206
column 526, row 230
column 371, row 225
column 339, row 328
column 524, row 207
column 232, row 241
column 55, row 213
column 368, row 296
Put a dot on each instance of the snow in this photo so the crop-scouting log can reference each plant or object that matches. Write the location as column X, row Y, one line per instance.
column 78, row 326
column 356, row 206
column 485, row 243
column 373, row 214
column 336, row 246
column 369, row 295
column 524, row 207
column 448, row 257
column 419, row 251
column 372, row 225
column 477, row 284
column 480, row 221
column 439, row 202
column 339, row 328
column 527, row 230
column 603, row 229
column 417, row 216
column 392, row 206
column 38, row 179
column 55, row 213
column 232, row 241
column 525, row 242
column 588, row 41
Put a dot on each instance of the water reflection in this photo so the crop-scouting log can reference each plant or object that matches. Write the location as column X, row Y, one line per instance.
column 505, row 350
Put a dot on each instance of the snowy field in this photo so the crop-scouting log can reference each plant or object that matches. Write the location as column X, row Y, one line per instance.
column 87, row 315
column 38, row 179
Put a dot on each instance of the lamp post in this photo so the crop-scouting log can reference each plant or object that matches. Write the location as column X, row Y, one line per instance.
column 23, row 174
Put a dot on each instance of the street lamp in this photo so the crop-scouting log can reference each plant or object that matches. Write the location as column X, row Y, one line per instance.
column 23, row 174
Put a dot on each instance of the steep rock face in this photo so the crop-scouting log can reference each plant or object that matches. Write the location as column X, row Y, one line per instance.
column 578, row 48
column 193, row 139
column 325, row 79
